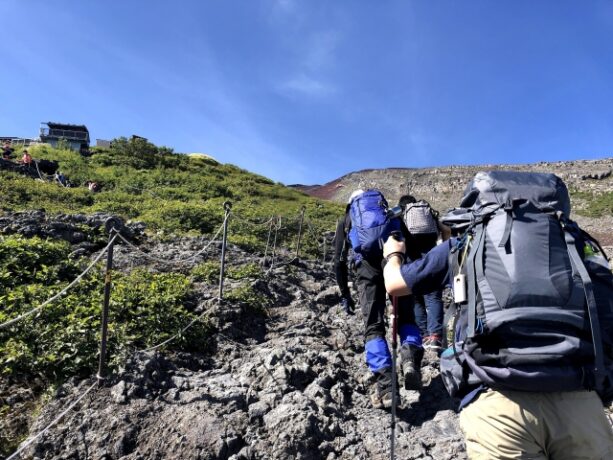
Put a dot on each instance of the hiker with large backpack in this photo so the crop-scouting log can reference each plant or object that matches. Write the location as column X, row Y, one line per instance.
column 363, row 229
column 532, row 358
column 422, row 224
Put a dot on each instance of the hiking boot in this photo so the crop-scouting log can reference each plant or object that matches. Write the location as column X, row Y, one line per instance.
column 411, row 366
column 433, row 342
column 381, row 397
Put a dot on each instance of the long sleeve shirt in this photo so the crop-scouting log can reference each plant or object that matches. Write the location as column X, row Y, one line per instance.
column 430, row 272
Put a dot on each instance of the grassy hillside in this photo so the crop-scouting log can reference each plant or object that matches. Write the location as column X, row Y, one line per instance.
column 171, row 193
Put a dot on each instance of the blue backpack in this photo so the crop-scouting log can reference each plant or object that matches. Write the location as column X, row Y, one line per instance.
column 370, row 225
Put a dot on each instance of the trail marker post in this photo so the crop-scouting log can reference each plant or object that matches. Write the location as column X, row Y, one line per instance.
column 324, row 250
column 272, row 222
column 300, row 231
column 227, row 206
column 274, row 245
column 110, row 226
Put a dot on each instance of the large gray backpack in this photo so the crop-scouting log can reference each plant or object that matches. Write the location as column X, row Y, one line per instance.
column 534, row 293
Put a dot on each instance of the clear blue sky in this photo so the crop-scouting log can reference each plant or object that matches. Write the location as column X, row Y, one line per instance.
column 306, row 91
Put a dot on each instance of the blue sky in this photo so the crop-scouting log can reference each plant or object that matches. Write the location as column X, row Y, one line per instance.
column 306, row 91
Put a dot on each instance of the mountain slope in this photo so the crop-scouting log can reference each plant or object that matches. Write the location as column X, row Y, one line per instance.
column 590, row 183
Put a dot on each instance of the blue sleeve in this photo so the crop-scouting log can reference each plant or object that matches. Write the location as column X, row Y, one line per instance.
column 431, row 272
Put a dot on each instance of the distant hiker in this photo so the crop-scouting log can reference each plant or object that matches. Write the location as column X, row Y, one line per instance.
column 363, row 227
column 532, row 358
column 93, row 186
column 26, row 159
column 7, row 152
column 421, row 221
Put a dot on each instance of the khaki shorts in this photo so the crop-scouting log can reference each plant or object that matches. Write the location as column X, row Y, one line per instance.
column 524, row 425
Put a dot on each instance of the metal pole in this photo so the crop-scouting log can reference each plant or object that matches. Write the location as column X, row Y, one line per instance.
column 268, row 239
column 394, row 376
column 105, row 307
column 274, row 246
column 323, row 262
column 300, row 232
column 226, row 206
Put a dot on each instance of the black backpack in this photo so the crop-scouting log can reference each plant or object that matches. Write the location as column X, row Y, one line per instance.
column 533, row 292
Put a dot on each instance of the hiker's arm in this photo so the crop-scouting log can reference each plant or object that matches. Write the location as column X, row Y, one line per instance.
column 394, row 282
column 421, row 276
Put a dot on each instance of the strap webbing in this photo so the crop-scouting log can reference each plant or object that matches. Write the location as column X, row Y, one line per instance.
column 592, row 309
column 471, row 277
column 506, row 236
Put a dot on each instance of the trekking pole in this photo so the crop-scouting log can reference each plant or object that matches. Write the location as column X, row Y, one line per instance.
column 110, row 225
column 300, row 231
column 226, row 206
column 394, row 372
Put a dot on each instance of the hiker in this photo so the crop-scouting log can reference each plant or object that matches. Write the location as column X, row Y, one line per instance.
column 26, row 159
column 7, row 152
column 93, row 186
column 422, row 223
column 531, row 366
column 364, row 223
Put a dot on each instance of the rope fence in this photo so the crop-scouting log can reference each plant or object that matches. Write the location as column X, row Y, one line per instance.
column 169, row 262
column 30, row 441
column 113, row 227
column 62, row 292
column 190, row 324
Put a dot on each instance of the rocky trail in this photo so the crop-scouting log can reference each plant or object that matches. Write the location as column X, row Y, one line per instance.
column 286, row 383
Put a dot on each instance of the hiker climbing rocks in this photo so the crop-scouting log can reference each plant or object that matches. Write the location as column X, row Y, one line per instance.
column 532, row 358
column 363, row 227
column 422, row 223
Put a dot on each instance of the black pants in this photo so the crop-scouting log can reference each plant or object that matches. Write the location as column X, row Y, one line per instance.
column 372, row 295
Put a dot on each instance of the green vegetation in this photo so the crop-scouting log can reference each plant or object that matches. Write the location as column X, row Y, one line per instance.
column 171, row 193
column 594, row 204
column 208, row 272
column 62, row 339
column 249, row 297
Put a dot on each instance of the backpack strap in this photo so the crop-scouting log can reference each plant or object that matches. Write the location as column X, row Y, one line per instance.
column 472, row 265
column 599, row 369
column 508, row 227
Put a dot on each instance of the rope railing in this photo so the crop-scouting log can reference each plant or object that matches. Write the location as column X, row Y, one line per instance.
column 62, row 292
column 30, row 441
column 275, row 224
column 190, row 324
column 38, row 170
column 170, row 262
column 246, row 220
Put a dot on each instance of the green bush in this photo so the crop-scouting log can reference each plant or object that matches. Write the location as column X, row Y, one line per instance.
column 594, row 204
column 207, row 272
column 63, row 338
column 171, row 193
column 251, row 298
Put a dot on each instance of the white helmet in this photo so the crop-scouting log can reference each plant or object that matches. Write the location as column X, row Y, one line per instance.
column 355, row 194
